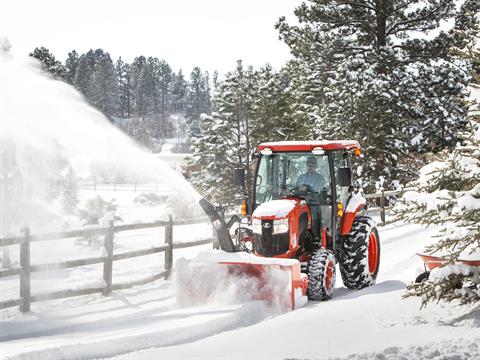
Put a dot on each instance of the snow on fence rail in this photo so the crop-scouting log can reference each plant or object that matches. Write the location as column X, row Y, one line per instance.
column 26, row 268
column 133, row 187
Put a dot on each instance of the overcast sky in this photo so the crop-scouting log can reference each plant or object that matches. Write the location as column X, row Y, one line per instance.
column 211, row 34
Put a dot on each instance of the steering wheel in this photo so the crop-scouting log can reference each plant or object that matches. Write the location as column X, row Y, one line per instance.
column 262, row 191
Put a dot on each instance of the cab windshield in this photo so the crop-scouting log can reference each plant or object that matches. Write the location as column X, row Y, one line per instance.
column 280, row 174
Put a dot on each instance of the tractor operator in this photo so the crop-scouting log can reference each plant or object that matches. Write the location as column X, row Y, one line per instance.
column 311, row 179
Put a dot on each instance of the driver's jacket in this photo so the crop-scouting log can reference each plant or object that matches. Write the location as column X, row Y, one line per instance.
column 315, row 181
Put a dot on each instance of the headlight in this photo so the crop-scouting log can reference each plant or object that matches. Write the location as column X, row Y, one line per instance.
column 280, row 226
column 257, row 226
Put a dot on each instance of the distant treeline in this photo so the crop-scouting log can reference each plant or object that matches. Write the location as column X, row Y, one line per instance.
column 146, row 97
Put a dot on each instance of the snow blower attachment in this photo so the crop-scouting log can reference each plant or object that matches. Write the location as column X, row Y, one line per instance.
column 303, row 220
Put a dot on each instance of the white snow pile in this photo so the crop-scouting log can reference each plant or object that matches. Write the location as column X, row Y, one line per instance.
column 277, row 208
column 449, row 349
column 218, row 277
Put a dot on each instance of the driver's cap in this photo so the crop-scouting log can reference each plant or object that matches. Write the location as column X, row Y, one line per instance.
column 312, row 160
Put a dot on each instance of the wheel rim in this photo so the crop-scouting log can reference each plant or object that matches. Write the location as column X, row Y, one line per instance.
column 372, row 253
column 329, row 276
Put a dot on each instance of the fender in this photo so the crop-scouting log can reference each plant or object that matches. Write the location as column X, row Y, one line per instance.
column 354, row 204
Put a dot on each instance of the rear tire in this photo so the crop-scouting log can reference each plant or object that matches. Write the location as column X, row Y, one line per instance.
column 360, row 254
column 321, row 275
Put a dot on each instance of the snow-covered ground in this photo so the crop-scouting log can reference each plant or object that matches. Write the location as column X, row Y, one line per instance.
column 146, row 323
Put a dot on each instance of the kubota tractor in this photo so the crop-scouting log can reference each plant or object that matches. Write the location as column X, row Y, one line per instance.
column 304, row 208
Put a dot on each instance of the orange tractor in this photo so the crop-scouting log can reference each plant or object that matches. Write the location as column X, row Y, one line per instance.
column 303, row 217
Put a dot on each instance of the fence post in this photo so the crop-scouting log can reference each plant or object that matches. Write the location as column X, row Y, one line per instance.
column 25, row 272
column 169, row 243
column 382, row 207
column 108, row 261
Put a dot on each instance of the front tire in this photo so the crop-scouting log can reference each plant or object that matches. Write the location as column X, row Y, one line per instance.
column 360, row 254
column 321, row 275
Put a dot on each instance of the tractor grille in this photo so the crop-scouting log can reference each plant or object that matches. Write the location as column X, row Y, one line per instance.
column 268, row 244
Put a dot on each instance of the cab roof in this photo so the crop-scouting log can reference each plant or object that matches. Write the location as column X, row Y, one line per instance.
column 310, row 145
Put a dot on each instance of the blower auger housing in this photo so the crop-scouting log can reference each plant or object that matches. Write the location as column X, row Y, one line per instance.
column 303, row 207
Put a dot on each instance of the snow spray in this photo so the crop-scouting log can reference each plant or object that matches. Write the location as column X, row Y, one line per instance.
column 46, row 128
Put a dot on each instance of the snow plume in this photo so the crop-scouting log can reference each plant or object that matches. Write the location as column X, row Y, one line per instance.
column 47, row 130
column 200, row 282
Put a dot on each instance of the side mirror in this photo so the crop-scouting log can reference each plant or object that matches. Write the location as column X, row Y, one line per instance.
column 239, row 177
column 344, row 176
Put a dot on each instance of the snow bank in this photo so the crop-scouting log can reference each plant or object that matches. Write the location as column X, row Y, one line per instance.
column 458, row 350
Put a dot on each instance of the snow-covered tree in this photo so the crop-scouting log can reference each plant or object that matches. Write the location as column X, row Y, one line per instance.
column 448, row 194
column 272, row 118
column 224, row 143
column 380, row 72
column 49, row 63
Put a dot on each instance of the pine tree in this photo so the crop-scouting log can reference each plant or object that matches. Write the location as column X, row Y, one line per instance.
column 448, row 195
column 49, row 63
column 224, row 143
column 162, row 74
column 71, row 66
column 144, row 95
column 198, row 99
column 272, row 118
column 448, row 191
column 360, row 74
column 83, row 77
column 104, row 86
column 179, row 93
column 122, row 71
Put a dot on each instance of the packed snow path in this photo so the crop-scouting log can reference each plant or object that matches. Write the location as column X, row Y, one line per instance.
column 145, row 322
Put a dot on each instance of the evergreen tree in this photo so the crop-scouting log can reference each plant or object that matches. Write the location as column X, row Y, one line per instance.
column 135, row 69
column 448, row 191
column 122, row 71
column 49, row 63
column 271, row 111
column 105, row 91
column 179, row 93
column 360, row 74
column 198, row 99
column 144, row 96
column 83, row 77
column 448, row 194
column 225, row 142
column 71, row 66
column 162, row 76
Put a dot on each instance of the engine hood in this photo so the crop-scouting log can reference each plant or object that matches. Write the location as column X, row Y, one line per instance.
column 275, row 209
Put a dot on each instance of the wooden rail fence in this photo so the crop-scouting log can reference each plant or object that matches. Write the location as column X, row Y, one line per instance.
column 109, row 257
column 382, row 197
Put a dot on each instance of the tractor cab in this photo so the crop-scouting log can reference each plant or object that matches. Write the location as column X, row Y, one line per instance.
column 300, row 188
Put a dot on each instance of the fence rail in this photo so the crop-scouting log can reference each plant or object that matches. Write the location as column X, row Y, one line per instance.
column 133, row 187
column 382, row 196
column 25, row 269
